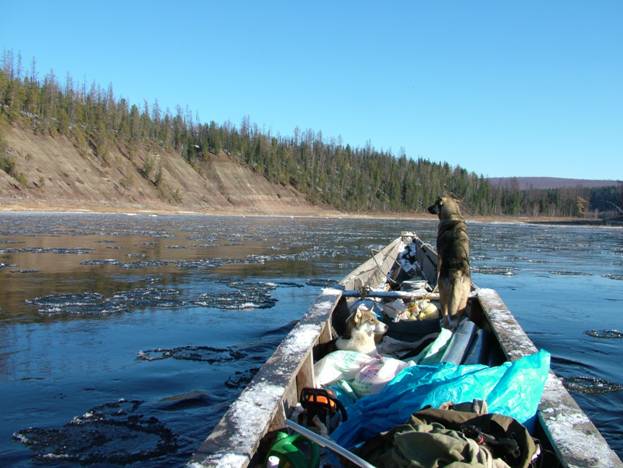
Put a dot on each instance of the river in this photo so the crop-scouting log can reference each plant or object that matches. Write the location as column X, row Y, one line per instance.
column 123, row 338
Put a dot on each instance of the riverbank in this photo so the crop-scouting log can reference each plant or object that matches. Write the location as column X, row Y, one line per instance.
column 56, row 173
column 127, row 208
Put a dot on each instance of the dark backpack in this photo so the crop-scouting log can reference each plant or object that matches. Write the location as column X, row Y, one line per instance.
column 503, row 436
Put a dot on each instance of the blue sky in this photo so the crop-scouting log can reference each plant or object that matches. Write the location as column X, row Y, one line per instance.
column 523, row 88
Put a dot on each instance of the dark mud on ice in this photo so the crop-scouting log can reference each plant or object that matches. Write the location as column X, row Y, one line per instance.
column 110, row 433
column 607, row 334
column 590, row 385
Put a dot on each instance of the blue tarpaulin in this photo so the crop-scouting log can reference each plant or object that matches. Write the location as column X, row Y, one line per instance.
column 513, row 389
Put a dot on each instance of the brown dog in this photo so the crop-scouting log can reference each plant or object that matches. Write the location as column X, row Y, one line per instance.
column 454, row 278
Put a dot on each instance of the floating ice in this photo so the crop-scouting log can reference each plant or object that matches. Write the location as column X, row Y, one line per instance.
column 613, row 276
column 569, row 273
column 286, row 284
column 106, row 434
column 605, row 333
column 102, row 261
column 240, row 379
column 42, row 250
column 590, row 385
column 207, row 354
column 148, row 297
column 203, row 263
column 322, row 283
column 255, row 352
column 91, row 303
column 78, row 303
column 310, row 253
column 490, row 270
column 246, row 295
column 140, row 264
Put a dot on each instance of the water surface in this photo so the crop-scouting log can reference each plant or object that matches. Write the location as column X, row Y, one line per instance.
column 174, row 314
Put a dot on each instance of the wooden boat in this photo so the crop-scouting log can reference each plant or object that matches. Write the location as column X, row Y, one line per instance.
column 566, row 433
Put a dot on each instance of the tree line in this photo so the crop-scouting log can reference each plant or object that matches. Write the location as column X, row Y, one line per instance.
column 326, row 171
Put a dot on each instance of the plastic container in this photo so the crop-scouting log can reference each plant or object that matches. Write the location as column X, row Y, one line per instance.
column 293, row 451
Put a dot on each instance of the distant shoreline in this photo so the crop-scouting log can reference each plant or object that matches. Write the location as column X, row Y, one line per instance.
column 320, row 213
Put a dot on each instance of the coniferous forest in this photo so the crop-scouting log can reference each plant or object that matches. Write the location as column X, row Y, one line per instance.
column 326, row 171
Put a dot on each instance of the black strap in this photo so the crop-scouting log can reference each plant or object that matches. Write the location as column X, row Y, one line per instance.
column 506, row 444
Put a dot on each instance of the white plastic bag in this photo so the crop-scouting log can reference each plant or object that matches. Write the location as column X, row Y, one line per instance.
column 366, row 374
column 373, row 376
column 340, row 365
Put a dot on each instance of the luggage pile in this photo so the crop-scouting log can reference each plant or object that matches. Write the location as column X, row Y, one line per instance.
column 423, row 397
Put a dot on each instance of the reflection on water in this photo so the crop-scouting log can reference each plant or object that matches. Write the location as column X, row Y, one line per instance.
column 203, row 301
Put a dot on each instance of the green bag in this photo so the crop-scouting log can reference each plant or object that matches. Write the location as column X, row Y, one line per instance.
column 294, row 451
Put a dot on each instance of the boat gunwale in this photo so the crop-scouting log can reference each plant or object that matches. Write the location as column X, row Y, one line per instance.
column 232, row 445
column 574, row 437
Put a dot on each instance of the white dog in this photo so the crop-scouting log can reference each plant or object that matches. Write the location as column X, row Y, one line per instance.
column 361, row 327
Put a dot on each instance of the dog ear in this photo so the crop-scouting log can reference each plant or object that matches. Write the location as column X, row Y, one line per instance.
column 452, row 195
column 358, row 315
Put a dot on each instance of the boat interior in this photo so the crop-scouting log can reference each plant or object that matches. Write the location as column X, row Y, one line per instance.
column 408, row 267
